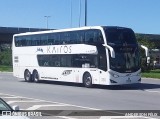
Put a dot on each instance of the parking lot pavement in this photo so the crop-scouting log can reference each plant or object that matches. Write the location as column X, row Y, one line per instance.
column 59, row 110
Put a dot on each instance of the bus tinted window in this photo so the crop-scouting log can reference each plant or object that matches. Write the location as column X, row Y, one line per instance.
column 48, row 61
column 57, row 39
column 67, row 60
column 44, row 39
column 93, row 37
column 72, row 37
column 17, row 42
column 80, row 37
column 120, row 36
column 51, row 39
column 80, row 60
column 23, row 41
column 54, row 60
column 76, row 37
column 65, row 38
column 35, row 40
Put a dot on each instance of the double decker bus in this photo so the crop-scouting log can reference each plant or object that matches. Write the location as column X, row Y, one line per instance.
column 104, row 55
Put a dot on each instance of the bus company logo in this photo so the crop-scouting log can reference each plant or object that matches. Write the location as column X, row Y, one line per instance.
column 39, row 50
column 66, row 72
column 59, row 49
column 91, row 51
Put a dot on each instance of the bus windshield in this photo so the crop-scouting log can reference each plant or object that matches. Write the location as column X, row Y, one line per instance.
column 124, row 43
column 126, row 59
column 120, row 36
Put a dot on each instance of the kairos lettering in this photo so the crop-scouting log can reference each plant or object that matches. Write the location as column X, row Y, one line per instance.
column 59, row 49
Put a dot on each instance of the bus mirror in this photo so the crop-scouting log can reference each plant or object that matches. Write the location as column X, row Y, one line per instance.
column 110, row 49
column 148, row 60
column 146, row 50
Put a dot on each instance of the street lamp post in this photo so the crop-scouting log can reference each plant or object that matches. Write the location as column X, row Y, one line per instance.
column 85, row 12
column 47, row 20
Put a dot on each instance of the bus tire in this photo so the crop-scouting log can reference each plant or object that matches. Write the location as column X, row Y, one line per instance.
column 35, row 76
column 27, row 76
column 87, row 80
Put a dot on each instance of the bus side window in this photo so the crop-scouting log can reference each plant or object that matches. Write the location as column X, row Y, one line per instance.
column 66, row 61
column 102, row 62
column 80, row 37
column 99, row 37
column 17, row 41
column 35, row 40
column 65, row 38
column 23, row 41
column 88, row 36
column 51, row 39
column 28, row 40
column 73, row 37
column 57, row 39
column 44, row 39
column 76, row 61
column 93, row 37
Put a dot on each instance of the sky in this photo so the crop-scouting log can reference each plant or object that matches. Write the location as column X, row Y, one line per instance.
column 143, row 16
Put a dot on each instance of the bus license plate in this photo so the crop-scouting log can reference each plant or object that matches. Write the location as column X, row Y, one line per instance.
column 128, row 80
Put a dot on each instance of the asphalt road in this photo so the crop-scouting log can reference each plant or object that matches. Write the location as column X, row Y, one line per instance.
column 144, row 96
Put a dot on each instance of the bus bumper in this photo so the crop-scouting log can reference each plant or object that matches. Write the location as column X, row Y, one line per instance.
column 120, row 79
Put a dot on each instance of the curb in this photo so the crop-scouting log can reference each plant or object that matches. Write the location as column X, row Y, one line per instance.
column 151, row 78
column 5, row 72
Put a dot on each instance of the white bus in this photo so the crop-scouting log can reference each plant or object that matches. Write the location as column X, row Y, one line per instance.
column 105, row 55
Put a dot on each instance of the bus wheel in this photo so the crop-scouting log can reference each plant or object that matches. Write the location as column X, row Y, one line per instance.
column 87, row 80
column 27, row 75
column 35, row 76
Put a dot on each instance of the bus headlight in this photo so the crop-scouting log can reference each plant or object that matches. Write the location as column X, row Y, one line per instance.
column 114, row 75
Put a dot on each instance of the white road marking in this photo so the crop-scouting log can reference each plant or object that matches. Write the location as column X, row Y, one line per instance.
column 64, row 117
column 10, row 102
column 52, row 102
column 39, row 106
column 65, row 113
column 6, row 72
column 11, row 97
column 64, row 104
column 152, row 91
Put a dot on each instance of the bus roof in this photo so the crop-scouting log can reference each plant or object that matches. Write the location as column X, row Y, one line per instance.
column 67, row 29
column 58, row 30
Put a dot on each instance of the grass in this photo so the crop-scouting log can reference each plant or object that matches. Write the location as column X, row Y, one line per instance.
column 152, row 74
column 6, row 68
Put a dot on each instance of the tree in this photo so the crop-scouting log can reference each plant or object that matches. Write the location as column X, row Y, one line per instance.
column 5, row 55
column 143, row 40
